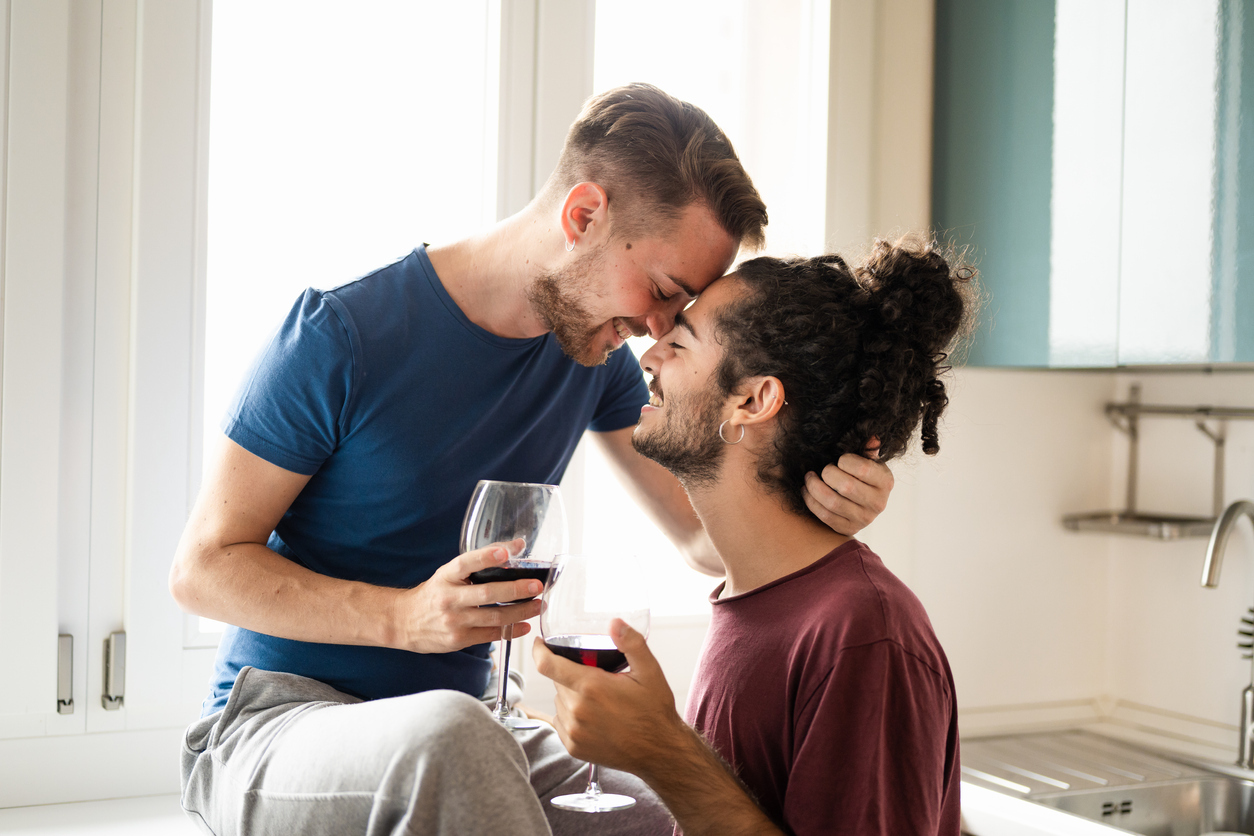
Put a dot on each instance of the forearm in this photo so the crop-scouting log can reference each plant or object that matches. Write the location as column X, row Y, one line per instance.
column 250, row 586
column 663, row 499
column 701, row 793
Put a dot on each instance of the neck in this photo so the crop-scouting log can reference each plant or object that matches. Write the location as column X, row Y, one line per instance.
column 758, row 536
column 489, row 275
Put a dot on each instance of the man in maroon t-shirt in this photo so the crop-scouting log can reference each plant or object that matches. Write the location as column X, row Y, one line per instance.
column 823, row 702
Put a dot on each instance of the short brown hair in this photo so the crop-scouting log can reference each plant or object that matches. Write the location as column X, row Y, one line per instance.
column 655, row 155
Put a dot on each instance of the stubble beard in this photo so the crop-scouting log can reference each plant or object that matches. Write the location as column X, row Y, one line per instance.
column 556, row 299
column 687, row 442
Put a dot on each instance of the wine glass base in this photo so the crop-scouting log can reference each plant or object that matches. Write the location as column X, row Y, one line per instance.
column 518, row 723
column 600, row 803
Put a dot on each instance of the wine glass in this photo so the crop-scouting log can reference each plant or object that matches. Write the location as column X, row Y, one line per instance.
column 584, row 594
column 504, row 511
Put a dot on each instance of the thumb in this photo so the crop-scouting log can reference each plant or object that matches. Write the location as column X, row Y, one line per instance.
column 629, row 640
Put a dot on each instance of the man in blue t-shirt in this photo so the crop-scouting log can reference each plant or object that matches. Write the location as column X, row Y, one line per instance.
column 344, row 698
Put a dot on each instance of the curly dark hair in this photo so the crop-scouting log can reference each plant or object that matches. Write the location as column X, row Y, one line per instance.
column 859, row 350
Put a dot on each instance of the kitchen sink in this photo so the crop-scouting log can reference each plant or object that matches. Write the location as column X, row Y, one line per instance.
column 1175, row 808
column 1112, row 782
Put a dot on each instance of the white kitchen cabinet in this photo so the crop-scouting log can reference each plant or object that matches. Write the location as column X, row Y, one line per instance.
column 102, row 234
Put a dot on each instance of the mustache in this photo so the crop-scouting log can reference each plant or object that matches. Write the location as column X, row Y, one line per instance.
column 655, row 389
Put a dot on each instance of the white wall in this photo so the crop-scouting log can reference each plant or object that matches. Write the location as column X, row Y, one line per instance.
column 1171, row 643
column 1034, row 617
column 1018, row 603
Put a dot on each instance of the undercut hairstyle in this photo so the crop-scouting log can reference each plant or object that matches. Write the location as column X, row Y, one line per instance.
column 656, row 155
column 860, row 351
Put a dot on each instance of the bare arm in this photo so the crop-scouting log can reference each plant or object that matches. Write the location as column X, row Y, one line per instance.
column 848, row 497
column 223, row 569
column 662, row 497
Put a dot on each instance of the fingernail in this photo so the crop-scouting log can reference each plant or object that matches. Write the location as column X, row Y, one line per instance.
column 535, row 588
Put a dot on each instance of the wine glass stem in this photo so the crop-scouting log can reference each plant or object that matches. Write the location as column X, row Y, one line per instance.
column 594, row 786
column 502, row 682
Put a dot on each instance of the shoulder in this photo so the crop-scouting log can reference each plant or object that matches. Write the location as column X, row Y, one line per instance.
column 381, row 294
column 856, row 605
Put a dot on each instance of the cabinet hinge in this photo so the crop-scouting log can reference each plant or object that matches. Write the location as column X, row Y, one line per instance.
column 114, row 672
column 65, row 674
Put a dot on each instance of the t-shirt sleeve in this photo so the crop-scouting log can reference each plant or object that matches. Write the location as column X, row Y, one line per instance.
column 872, row 748
column 624, row 394
column 291, row 407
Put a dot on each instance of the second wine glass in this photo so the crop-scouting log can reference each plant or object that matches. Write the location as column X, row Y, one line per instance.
column 582, row 598
column 500, row 512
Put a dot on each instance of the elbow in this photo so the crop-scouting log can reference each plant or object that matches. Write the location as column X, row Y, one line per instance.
column 184, row 579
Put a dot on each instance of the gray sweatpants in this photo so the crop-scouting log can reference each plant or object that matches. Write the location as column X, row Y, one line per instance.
column 291, row 755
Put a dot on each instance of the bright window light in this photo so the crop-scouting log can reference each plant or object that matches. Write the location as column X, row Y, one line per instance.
column 341, row 137
column 760, row 71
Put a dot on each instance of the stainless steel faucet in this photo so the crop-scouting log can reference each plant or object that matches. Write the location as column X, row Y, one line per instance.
column 1210, row 579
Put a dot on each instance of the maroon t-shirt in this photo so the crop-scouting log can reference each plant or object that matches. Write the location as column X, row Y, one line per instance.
column 830, row 696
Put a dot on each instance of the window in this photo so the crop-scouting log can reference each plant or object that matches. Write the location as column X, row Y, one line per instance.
column 339, row 140
column 760, row 71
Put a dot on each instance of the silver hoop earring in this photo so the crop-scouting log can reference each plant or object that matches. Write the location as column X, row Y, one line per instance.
column 570, row 246
column 725, row 441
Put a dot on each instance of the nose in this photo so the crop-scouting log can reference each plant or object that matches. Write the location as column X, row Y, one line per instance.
column 661, row 320
column 651, row 360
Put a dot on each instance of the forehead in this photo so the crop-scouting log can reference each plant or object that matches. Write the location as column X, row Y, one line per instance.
column 695, row 250
column 718, row 295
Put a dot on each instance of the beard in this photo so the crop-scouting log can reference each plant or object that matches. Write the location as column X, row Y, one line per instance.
column 686, row 443
column 557, row 298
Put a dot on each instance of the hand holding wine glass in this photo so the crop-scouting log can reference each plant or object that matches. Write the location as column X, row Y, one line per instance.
column 533, row 517
column 584, row 597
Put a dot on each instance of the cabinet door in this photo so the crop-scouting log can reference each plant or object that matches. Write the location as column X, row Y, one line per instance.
column 1169, row 179
column 1098, row 158
column 991, row 175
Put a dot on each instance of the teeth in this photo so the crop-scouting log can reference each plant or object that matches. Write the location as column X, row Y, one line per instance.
column 622, row 329
column 655, row 401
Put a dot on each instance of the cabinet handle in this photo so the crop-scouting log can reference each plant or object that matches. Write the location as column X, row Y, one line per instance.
column 114, row 672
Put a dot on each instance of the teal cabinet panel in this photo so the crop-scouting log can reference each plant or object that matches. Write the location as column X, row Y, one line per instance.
column 992, row 157
column 1097, row 156
column 1232, row 269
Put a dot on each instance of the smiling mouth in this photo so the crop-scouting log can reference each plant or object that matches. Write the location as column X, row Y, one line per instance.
column 655, row 394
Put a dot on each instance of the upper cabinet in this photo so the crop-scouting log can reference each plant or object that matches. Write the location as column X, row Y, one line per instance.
column 1094, row 158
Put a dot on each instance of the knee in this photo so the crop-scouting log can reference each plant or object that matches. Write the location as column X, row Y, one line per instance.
column 453, row 718
column 456, row 729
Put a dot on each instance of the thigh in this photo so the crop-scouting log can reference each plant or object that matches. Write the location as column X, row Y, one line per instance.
column 554, row 772
column 433, row 762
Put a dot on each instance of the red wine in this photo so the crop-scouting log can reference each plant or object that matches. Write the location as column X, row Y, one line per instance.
column 588, row 650
column 521, row 570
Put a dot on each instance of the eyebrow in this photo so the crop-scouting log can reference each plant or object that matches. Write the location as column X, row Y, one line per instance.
column 684, row 322
column 682, row 285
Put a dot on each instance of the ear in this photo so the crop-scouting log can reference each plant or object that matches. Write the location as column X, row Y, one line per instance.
column 584, row 214
column 758, row 401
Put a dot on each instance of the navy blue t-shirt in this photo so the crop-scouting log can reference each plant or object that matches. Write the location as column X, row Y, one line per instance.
column 397, row 404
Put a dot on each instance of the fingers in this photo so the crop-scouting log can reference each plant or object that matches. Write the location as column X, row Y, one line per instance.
column 824, row 502
column 640, row 659
column 514, row 614
column 462, row 566
column 863, row 471
column 505, row 592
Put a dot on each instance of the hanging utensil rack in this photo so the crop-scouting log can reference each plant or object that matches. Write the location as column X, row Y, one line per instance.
column 1131, row 521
